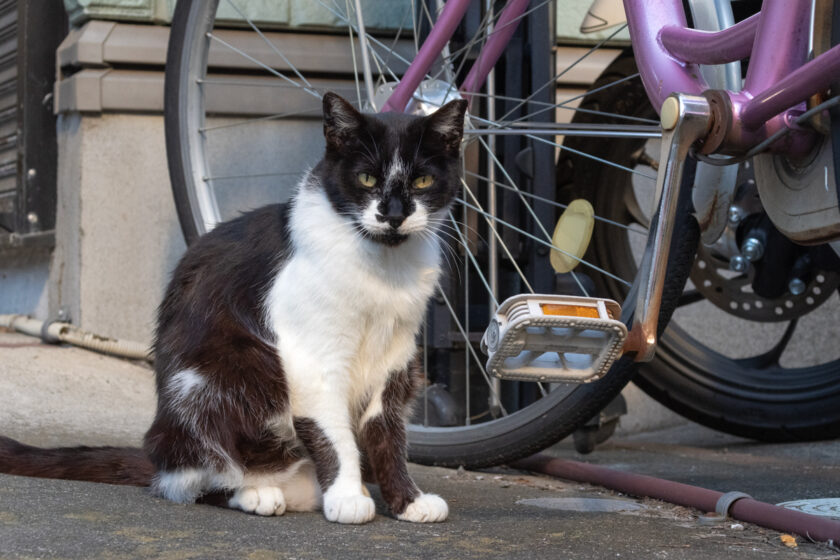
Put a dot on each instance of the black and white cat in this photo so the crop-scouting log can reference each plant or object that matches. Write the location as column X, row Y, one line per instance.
column 285, row 343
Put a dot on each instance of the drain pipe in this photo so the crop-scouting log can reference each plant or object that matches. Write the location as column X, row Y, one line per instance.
column 735, row 504
column 65, row 332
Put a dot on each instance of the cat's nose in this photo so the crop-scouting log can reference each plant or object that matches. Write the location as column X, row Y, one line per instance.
column 393, row 214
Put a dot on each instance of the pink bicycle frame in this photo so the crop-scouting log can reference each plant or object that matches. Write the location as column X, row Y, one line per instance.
column 778, row 81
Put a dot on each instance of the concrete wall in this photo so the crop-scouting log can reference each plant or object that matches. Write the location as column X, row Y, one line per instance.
column 117, row 233
column 23, row 281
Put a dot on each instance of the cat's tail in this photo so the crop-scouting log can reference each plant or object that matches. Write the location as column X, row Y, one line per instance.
column 111, row 465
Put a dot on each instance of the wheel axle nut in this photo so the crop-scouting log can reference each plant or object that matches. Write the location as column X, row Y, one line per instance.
column 752, row 249
column 739, row 264
column 796, row 286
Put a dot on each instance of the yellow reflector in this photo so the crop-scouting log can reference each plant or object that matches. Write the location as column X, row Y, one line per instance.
column 572, row 235
column 569, row 310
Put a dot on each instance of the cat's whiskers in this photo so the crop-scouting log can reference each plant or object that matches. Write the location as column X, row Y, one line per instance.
column 447, row 251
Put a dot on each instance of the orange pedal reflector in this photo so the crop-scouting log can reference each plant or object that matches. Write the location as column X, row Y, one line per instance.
column 569, row 310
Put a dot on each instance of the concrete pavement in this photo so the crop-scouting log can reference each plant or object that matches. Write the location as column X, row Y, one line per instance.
column 64, row 396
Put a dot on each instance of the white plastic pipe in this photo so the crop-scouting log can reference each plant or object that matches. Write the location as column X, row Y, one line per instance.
column 65, row 332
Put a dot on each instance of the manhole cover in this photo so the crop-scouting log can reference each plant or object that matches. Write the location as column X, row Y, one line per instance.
column 583, row 504
column 825, row 507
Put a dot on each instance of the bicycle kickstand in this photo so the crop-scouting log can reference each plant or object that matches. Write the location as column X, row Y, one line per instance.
column 554, row 338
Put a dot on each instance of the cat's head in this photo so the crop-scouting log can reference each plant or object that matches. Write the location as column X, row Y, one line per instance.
column 391, row 174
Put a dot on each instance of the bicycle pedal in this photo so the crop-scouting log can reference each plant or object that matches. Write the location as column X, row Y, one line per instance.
column 554, row 338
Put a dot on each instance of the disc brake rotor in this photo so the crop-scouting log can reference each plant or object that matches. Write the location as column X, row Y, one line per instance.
column 733, row 292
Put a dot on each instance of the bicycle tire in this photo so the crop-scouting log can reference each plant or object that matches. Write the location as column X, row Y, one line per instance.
column 489, row 443
column 176, row 114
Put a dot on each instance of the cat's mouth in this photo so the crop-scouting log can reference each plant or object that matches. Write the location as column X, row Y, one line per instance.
column 390, row 237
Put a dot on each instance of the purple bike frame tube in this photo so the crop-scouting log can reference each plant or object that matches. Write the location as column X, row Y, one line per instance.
column 705, row 47
column 450, row 17
column 661, row 73
column 778, row 76
column 813, row 77
column 495, row 46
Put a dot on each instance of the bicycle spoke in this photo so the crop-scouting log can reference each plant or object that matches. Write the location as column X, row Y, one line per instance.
column 553, row 203
column 571, row 129
column 564, row 104
column 480, row 274
column 262, row 65
column 549, row 245
column 271, row 45
column 472, row 259
column 577, row 109
column 256, row 119
column 393, row 47
column 248, row 176
column 353, row 57
column 553, row 79
column 370, row 37
column 467, row 388
column 425, row 372
column 498, row 238
column 528, row 207
column 595, row 158
column 470, row 347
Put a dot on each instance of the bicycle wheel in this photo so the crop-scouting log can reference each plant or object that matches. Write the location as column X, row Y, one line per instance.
column 768, row 370
column 220, row 165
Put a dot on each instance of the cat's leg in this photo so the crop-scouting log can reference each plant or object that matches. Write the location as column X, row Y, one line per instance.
column 188, row 466
column 332, row 446
column 260, row 500
column 383, row 441
column 196, row 439
column 278, row 477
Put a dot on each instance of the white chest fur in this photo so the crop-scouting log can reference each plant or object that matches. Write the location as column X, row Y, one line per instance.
column 346, row 310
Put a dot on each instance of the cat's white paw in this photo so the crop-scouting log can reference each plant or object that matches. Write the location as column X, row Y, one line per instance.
column 261, row 500
column 349, row 509
column 426, row 508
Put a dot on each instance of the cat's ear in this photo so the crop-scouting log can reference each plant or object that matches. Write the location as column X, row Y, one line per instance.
column 447, row 125
column 341, row 121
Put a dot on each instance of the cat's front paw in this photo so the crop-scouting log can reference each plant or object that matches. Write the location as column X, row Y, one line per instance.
column 426, row 508
column 349, row 509
column 261, row 500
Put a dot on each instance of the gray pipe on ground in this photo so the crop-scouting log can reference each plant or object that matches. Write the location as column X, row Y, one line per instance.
column 65, row 332
column 742, row 508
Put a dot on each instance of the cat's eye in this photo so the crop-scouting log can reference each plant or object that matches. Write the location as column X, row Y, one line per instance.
column 424, row 182
column 366, row 179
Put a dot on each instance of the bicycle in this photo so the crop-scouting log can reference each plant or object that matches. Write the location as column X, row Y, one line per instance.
column 466, row 417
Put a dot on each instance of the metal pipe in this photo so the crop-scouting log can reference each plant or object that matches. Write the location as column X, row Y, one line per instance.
column 653, row 133
column 743, row 509
column 65, row 332
column 705, row 47
column 492, row 246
